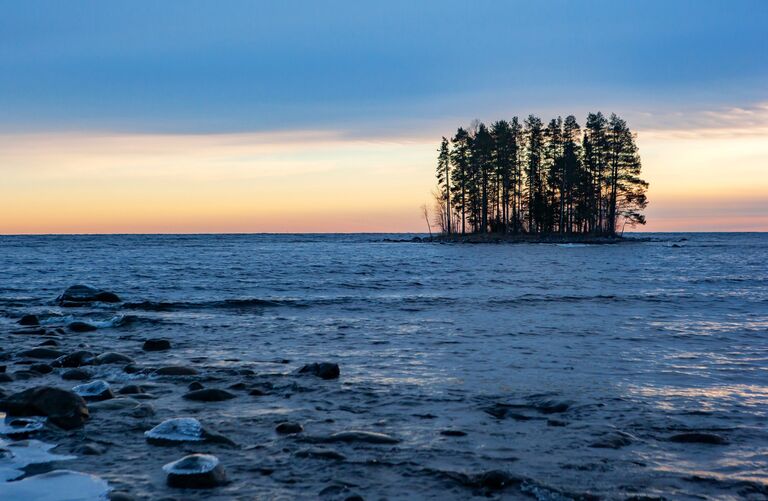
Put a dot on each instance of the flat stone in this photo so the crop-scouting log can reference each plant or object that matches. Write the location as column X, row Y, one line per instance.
column 156, row 345
column 209, row 395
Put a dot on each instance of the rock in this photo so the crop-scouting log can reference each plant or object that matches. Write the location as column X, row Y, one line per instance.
column 156, row 345
column 79, row 295
column 176, row 430
column 63, row 408
column 25, row 374
column 238, row 386
column 288, row 428
column 29, row 320
column 112, row 357
column 131, row 389
column 78, row 326
column 76, row 375
column 44, row 353
column 453, row 433
column 5, row 378
column 196, row 471
column 90, row 450
column 195, row 385
column 96, row 391
column 613, row 440
column 120, row 496
column 556, row 423
column 355, row 436
column 319, row 453
column 143, row 410
column 176, row 370
column 209, row 395
column 20, row 428
column 698, row 438
column 494, row 480
column 323, row 370
column 76, row 359
column 550, row 406
column 256, row 392
column 49, row 342
column 41, row 368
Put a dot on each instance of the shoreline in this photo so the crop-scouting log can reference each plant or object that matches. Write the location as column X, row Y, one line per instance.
column 521, row 238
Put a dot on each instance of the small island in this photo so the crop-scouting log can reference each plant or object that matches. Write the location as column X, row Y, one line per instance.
column 526, row 182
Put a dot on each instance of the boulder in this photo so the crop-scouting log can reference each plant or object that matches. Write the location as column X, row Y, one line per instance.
column 79, row 295
column 698, row 438
column 156, row 345
column 323, row 370
column 41, row 353
column 196, row 471
column 76, row 359
column 29, row 320
column 131, row 389
column 96, row 391
column 289, row 428
column 63, row 408
column 209, row 395
column 78, row 326
column 112, row 357
column 176, row 370
column 76, row 375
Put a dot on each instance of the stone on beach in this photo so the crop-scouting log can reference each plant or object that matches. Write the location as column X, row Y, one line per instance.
column 196, row 471
column 209, row 395
column 176, row 370
column 176, row 430
column 76, row 359
column 156, row 345
column 80, row 295
column 42, row 353
column 29, row 320
column 78, row 326
column 76, row 375
column 289, row 428
column 320, row 453
column 96, row 391
column 112, row 357
column 63, row 408
column 356, row 436
column 698, row 438
column 323, row 370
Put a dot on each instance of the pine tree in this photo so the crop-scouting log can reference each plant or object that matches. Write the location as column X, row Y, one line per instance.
column 460, row 158
column 626, row 191
column 535, row 181
column 444, row 180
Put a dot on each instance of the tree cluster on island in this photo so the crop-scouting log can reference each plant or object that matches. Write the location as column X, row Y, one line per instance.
column 527, row 178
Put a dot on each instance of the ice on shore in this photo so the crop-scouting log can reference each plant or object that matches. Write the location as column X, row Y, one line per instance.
column 57, row 485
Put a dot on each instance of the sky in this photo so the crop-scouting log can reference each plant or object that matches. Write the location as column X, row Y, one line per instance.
column 305, row 116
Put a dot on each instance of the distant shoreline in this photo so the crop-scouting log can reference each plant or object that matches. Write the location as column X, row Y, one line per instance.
column 502, row 238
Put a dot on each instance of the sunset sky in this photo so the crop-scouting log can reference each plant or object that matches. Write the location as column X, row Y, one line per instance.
column 139, row 116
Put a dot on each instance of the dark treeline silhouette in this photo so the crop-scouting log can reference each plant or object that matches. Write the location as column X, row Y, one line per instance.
column 530, row 178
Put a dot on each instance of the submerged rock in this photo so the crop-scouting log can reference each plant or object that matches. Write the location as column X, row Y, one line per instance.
column 319, row 453
column 79, row 295
column 112, row 357
column 29, row 320
column 21, row 427
column 176, row 370
column 63, row 408
column 41, row 368
column 453, row 433
column 323, row 370
column 76, row 375
column 355, row 436
column 156, row 345
column 698, row 438
column 195, row 385
column 56, row 485
column 209, row 395
column 76, row 359
column 95, row 391
column 196, row 471
column 43, row 353
column 131, row 389
column 288, row 428
column 78, row 326
column 613, row 440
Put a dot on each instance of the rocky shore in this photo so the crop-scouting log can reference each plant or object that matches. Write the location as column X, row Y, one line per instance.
column 522, row 238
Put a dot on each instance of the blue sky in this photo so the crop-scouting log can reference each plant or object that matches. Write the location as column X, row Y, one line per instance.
column 191, row 116
column 190, row 66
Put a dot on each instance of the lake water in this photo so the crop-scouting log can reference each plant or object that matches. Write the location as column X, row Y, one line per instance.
column 569, row 367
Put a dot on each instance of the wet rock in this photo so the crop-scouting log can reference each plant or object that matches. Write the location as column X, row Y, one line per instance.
column 120, row 496
column 613, row 440
column 556, row 422
column 76, row 359
column 131, row 389
column 80, row 295
column 209, row 395
column 550, row 406
column 195, row 385
column 319, row 453
column 176, row 370
column 114, row 404
column 63, row 408
column 156, row 345
column 175, row 431
column 49, row 342
column 323, row 370
column 76, row 375
column 29, row 320
column 494, row 480
column 698, row 438
column 355, row 436
column 453, row 433
column 41, row 353
column 143, row 410
column 78, row 326
column 238, row 386
column 41, row 368
column 256, row 392
column 96, row 391
column 196, row 471
column 25, row 374
column 90, row 450
column 5, row 378
column 112, row 357
column 289, row 428
column 20, row 428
